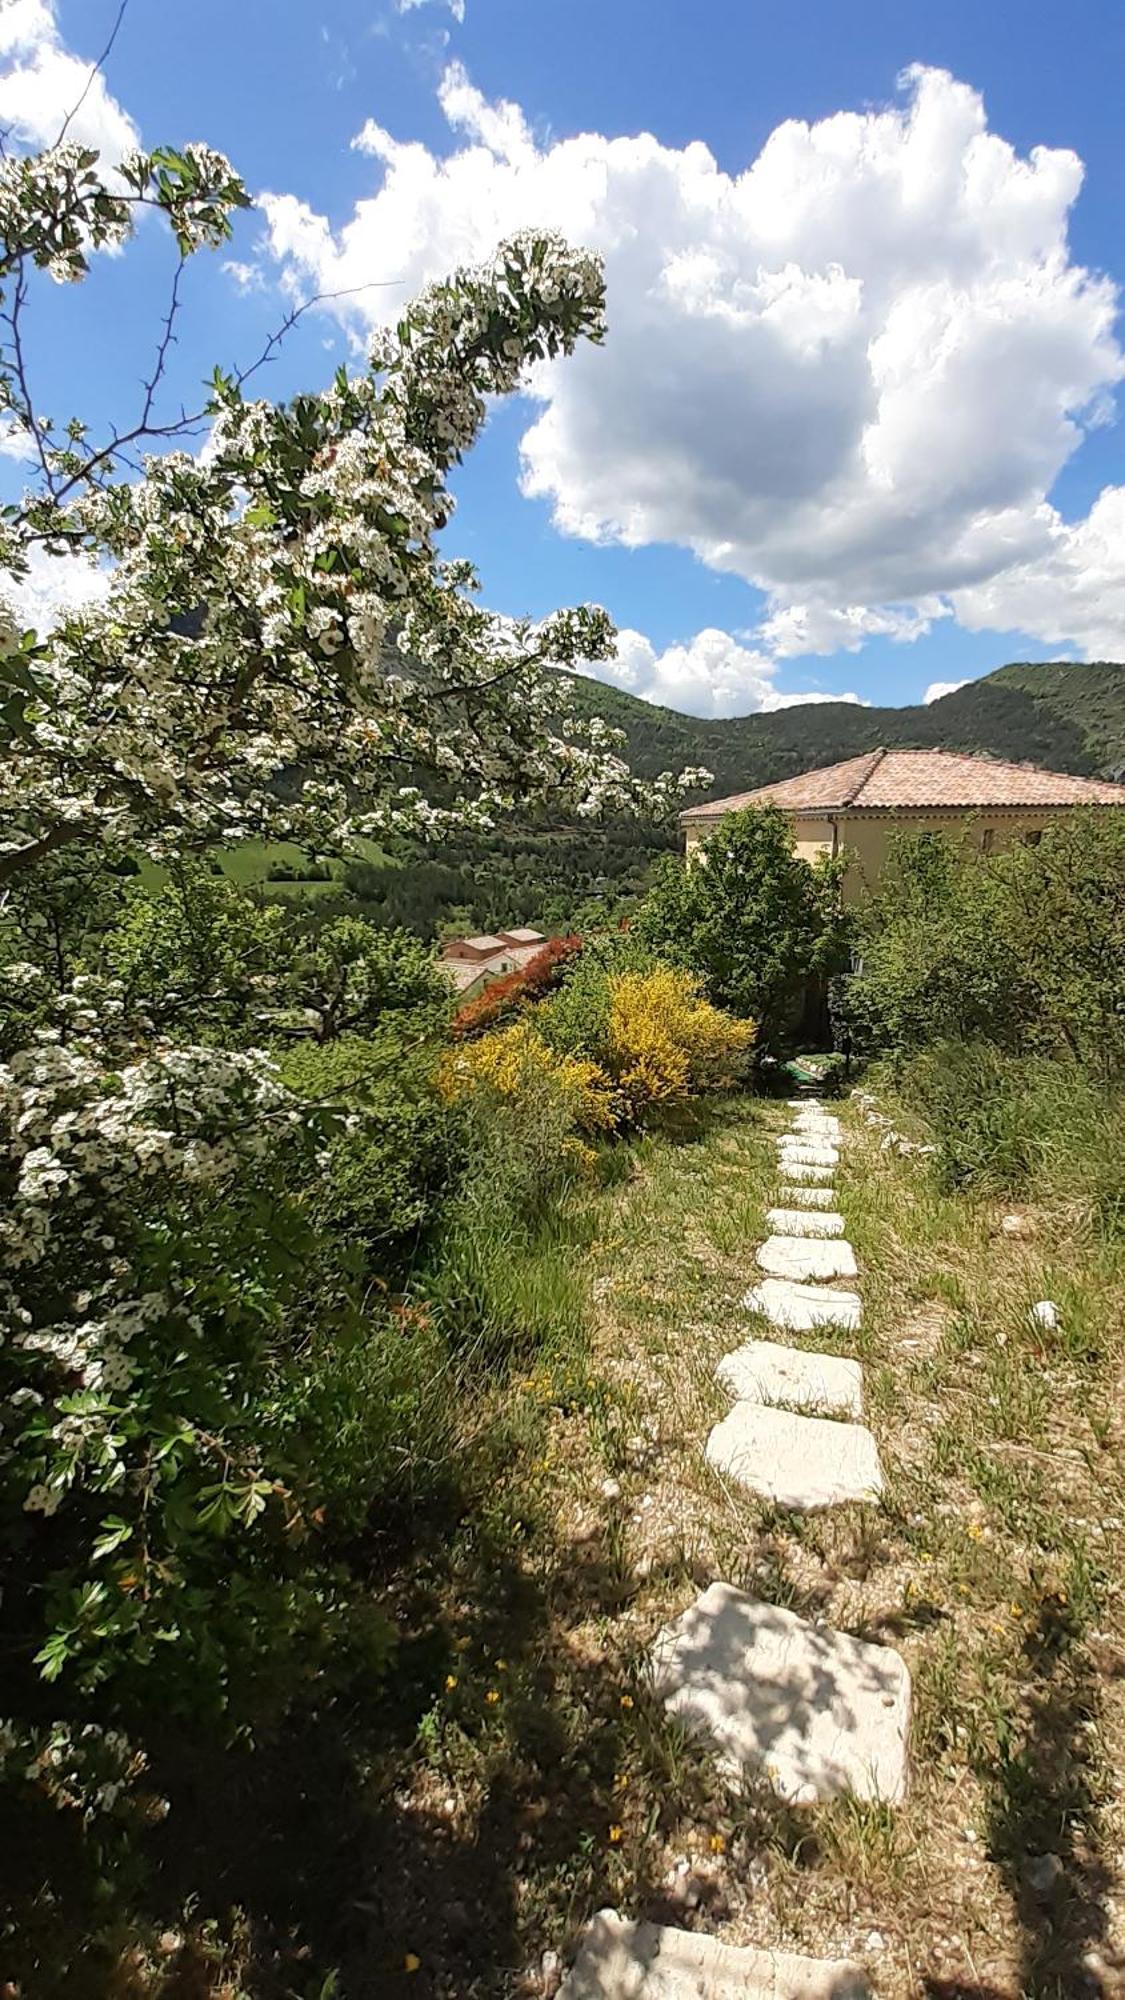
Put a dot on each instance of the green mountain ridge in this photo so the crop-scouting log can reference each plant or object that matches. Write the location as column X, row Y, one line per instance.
column 1063, row 716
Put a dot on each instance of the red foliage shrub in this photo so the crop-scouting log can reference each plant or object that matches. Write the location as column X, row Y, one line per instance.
column 515, row 989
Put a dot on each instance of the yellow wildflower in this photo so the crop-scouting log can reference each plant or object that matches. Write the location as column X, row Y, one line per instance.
column 626, row 1701
column 717, row 1844
column 616, row 1834
column 492, row 1697
column 411, row 1962
column 450, row 1683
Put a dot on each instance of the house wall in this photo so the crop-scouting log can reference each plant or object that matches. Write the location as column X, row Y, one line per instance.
column 865, row 837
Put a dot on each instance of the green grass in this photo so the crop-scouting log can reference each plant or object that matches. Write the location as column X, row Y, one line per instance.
column 514, row 1774
column 249, row 864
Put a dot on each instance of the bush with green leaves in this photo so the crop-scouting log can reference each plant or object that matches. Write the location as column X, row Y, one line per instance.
column 153, row 1500
column 752, row 918
column 349, row 976
column 196, row 954
column 575, row 1021
column 1024, row 949
column 386, row 1170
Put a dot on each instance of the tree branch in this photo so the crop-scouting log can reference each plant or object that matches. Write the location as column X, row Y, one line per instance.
column 95, row 69
column 25, row 857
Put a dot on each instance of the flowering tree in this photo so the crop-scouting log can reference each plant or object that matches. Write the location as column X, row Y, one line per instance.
column 279, row 652
column 275, row 602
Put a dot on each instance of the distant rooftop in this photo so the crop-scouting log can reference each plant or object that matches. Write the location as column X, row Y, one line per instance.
column 916, row 780
column 525, row 936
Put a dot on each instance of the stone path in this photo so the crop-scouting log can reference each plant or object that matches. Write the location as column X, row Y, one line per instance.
column 813, row 1712
column 796, row 1222
column 762, row 1371
column 625, row 1961
column 801, row 1257
column 799, row 1462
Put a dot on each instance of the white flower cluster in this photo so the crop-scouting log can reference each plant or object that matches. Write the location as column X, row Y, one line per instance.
column 256, row 590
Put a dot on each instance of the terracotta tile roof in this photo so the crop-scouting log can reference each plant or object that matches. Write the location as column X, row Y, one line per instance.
column 917, row 780
column 523, row 935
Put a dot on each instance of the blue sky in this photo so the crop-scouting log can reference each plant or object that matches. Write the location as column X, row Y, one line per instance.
column 853, row 431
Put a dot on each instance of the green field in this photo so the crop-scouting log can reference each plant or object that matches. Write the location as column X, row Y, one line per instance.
column 249, row 865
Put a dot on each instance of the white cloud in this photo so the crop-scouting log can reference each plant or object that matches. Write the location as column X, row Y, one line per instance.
column 937, row 690
column 43, row 82
column 53, row 586
column 711, row 674
column 456, row 7
column 247, row 277
column 15, row 441
column 849, row 374
column 1070, row 588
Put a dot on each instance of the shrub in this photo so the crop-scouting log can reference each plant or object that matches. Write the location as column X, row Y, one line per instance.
column 516, row 1066
column 385, row 1174
column 668, row 1044
column 750, row 917
column 153, row 1495
column 934, row 959
column 350, row 975
column 516, row 989
column 1024, row 949
column 576, row 1018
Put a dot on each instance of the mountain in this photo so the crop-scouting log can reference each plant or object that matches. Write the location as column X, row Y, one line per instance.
column 533, row 869
column 1065, row 717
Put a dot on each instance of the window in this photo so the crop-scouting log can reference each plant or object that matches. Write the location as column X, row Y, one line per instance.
column 988, row 835
column 1033, row 838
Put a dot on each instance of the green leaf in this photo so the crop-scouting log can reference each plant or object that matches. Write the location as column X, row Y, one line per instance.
column 114, row 1532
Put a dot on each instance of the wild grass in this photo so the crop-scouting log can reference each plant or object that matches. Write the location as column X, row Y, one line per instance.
column 516, row 1774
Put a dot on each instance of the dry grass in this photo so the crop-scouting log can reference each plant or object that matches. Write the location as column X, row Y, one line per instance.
column 992, row 1567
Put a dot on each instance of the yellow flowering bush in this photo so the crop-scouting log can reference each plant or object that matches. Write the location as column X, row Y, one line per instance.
column 660, row 1044
column 516, row 1064
column 667, row 1044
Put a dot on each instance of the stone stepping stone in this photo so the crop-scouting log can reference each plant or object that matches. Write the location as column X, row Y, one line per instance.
column 801, row 1308
column 761, row 1371
column 801, row 1257
column 801, row 1170
column 808, row 1152
column 807, row 1197
column 803, row 1463
column 813, row 1710
column 801, row 1222
column 804, row 1104
column 622, row 1960
column 816, row 1121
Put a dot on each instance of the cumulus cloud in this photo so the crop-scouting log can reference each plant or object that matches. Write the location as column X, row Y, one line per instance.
column 712, row 674
column 1070, row 588
column 43, row 82
column 849, row 374
column 53, row 586
column 937, row 690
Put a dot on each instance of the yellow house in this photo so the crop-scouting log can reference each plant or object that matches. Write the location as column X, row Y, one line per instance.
column 855, row 807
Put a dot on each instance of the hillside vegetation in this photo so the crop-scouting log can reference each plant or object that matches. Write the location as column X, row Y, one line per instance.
column 1067, row 717
column 540, row 868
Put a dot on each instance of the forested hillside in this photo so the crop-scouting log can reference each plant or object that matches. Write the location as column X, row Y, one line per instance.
column 536, row 869
column 1068, row 717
